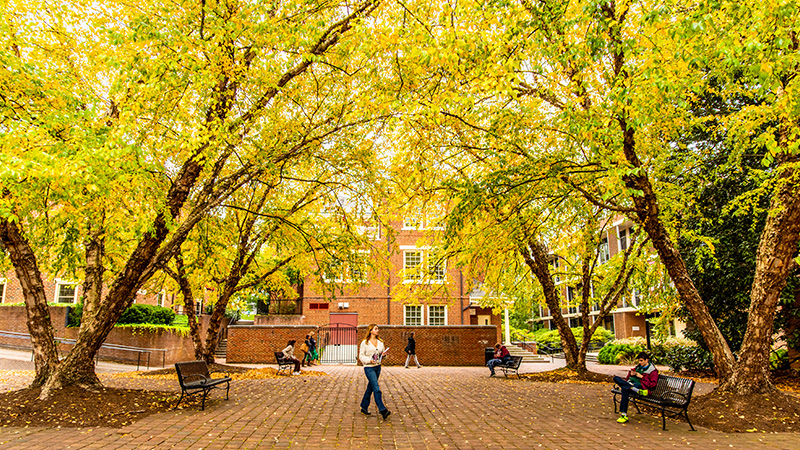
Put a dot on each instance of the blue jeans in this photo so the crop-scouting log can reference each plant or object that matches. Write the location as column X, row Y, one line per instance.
column 373, row 373
column 625, row 386
column 496, row 361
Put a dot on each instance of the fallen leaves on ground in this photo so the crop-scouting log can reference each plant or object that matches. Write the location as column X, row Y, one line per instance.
column 566, row 375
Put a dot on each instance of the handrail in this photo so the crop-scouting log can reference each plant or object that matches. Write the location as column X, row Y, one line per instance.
column 139, row 350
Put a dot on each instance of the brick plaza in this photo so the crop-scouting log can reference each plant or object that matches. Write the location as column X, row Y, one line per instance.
column 433, row 408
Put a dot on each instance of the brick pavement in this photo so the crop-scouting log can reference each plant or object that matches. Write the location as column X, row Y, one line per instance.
column 433, row 408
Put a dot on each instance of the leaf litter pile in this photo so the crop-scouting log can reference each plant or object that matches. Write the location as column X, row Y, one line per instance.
column 757, row 413
column 110, row 407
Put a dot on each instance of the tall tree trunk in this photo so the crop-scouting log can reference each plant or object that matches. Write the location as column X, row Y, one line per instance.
column 774, row 262
column 78, row 368
column 40, row 328
column 535, row 256
column 188, row 303
column 212, row 333
column 648, row 216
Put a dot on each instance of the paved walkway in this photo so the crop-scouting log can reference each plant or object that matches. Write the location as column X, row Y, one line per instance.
column 433, row 408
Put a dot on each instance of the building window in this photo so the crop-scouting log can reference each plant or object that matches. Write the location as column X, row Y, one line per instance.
column 160, row 299
column 624, row 238
column 66, row 292
column 555, row 270
column 437, row 269
column 412, row 223
column 603, row 256
column 412, row 315
column 412, row 263
column 437, row 315
column 198, row 307
column 2, row 290
column 544, row 311
column 571, row 308
column 318, row 305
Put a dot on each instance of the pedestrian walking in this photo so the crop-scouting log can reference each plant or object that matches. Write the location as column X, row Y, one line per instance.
column 411, row 350
column 371, row 353
column 312, row 349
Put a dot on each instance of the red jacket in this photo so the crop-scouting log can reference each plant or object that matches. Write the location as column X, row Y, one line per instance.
column 649, row 375
column 502, row 353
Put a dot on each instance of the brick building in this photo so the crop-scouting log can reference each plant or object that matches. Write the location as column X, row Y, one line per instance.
column 340, row 299
column 626, row 320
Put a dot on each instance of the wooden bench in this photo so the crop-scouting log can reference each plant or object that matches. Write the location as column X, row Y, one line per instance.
column 512, row 366
column 195, row 378
column 283, row 363
column 671, row 395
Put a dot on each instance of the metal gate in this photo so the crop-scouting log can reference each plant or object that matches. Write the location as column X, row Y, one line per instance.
column 338, row 344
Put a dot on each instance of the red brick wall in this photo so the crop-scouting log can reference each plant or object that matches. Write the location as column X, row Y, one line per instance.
column 624, row 323
column 258, row 344
column 178, row 348
column 436, row 346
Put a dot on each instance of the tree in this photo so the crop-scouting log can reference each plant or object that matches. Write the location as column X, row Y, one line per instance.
column 200, row 101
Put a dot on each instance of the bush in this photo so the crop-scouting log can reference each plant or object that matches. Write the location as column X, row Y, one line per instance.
column 551, row 338
column 779, row 359
column 75, row 315
column 162, row 316
column 615, row 353
column 680, row 358
column 151, row 314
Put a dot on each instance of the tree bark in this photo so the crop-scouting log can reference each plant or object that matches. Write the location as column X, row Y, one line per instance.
column 535, row 255
column 40, row 328
column 185, row 287
column 648, row 216
column 774, row 261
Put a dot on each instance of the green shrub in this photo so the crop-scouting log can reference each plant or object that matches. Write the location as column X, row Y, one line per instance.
column 75, row 315
column 680, row 358
column 552, row 338
column 151, row 314
column 779, row 359
column 162, row 316
column 615, row 353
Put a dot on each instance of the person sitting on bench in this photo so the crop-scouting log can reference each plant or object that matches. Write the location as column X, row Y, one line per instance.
column 640, row 379
column 288, row 352
column 501, row 356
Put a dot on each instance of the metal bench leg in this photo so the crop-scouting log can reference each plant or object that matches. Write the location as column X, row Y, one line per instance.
column 205, row 394
column 179, row 400
column 663, row 420
column 228, row 391
column 615, row 404
column 686, row 414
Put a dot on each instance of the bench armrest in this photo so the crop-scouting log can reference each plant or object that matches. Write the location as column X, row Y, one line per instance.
column 227, row 374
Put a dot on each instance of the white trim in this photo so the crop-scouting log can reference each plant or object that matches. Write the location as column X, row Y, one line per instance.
column 421, row 315
column 414, row 247
column 59, row 283
column 4, row 282
column 445, row 315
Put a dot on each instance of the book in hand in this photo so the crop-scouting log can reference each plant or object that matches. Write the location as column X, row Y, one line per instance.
column 377, row 358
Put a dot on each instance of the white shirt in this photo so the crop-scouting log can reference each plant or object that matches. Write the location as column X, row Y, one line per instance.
column 367, row 352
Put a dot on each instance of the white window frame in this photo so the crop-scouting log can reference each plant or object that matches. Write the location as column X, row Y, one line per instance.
column 406, row 309
column 3, row 282
column 412, row 223
column 435, row 277
column 57, row 295
column 430, row 322
column 413, row 274
column 160, row 299
column 623, row 234
column 603, row 251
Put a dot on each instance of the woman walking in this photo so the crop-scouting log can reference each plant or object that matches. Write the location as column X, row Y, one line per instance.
column 371, row 353
column 411, row 350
